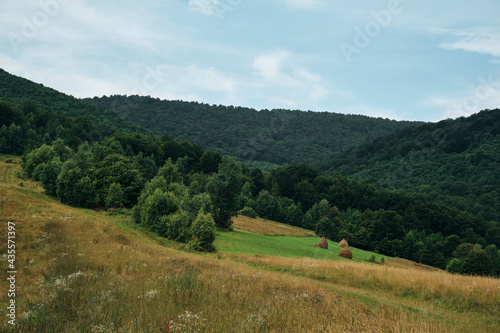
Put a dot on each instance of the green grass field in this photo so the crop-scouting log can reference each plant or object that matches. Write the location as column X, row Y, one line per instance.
column 243, row 242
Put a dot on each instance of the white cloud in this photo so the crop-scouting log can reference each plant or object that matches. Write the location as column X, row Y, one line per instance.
column 484, row 40
column 304, row 4
column 375, row 112
column 207, row 7
column 289, row 84
column 484, row 94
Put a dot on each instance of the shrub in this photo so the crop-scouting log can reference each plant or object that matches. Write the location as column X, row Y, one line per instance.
column 248, row 211
column 455, row 266
column 203, row 231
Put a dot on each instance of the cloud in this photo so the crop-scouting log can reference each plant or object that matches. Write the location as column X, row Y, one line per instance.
column 207, row 7
column 304, row 4
column 484, row 40
column 484, row 94
column 370, row 111
column 288, row 83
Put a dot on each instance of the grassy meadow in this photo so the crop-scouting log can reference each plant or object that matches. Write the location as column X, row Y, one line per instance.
column 84, row 271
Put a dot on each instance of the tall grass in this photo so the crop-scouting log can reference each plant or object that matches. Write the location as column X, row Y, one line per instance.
column 82, row 271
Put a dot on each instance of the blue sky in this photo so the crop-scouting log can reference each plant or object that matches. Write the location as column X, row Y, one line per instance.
column 399, row 59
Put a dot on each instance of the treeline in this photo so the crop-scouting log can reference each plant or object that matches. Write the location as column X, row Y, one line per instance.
column 454, row 162
column 87, row 167
column 384, row 221
column 269, row 137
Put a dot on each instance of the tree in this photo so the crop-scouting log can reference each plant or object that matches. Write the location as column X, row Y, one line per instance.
column 49, row 175
column 203, row 232
column 455, row 266
column 462, row 251
column 450, row 244
column 155, row 207
column 115, row 196
column 224, row 189
column 478, row 262
column 170, row 172
column 84, row 192
column 209, row 162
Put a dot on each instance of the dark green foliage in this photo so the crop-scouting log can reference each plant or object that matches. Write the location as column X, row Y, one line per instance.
column 224, row 189
column 478, row 262
column 157, row 205
column 456, row 266
column 209, row 162
column 203, row 232
column 17, row 90
column 276, row 136
column 248, row 211
column 170, row 172
column 463, row 250
column 49, row 175
column 455, row 162
column 115, row 197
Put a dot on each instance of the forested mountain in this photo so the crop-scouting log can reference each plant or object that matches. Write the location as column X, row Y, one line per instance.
column 276, row 136
column 456, row 162
column 21, row 91
column 180, row 191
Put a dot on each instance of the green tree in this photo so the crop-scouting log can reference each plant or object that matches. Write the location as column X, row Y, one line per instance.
column 463, row 250
column 203, row 232
column 115, row 196
column 478, row 262
column 155, row 207
column 209, row 162
column 49, row 175
column 170, row 172
column 456, row 266
column 224, row 189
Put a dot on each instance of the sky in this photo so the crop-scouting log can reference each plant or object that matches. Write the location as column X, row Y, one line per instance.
column 399, row 59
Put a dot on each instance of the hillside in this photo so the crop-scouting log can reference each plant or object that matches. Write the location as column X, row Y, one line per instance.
column 18, row 90
column 456, row 162
column 81, row 270
column 276, row 136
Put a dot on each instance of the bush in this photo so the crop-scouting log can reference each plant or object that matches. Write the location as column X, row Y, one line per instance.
column 455, row 266
column 248, row 211
column 203, row 232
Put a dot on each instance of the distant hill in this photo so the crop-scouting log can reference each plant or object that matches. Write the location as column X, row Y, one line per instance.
column 15, row 89
column 276, row 136
column 456, row 162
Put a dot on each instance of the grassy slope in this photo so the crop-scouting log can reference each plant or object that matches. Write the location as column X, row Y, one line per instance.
column 80, row 270
column 276, row 239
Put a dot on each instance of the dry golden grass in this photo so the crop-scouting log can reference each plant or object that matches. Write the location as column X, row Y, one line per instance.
column 268, row 228
column 79, row 270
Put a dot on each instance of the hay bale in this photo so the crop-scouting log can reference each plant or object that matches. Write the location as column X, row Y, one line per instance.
column 343, row 243
column 323, row 243
column 346, row 252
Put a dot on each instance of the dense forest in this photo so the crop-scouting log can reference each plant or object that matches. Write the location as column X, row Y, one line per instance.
column 18, row 90
column 182, row 192
column 456, row 162
column 271, row 136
